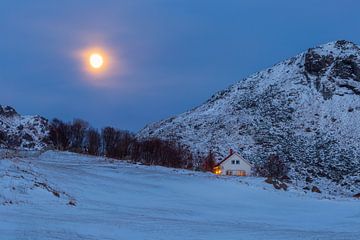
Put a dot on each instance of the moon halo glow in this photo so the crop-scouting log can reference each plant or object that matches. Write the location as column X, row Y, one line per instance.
column 96, row 60
column 100, row 65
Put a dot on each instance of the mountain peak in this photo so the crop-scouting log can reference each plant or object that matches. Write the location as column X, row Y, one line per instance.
column 318, row 59
column 336, row 48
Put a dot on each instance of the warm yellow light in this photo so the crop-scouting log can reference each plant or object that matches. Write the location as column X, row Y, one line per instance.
column 96, row 60
column 217, row 170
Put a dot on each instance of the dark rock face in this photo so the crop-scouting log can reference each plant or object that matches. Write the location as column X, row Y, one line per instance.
column 347, row 69
column 316, row 64
column 357, row 195
column 343, row 66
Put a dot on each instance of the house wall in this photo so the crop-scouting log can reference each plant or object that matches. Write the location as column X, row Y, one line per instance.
column 227, row 165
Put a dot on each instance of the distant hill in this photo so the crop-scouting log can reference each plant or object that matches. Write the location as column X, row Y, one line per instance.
column 22, row 132
column 305, row 109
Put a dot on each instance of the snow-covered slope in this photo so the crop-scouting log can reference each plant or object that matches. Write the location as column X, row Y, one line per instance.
column 117, row 200
column 22, row 132
column 305, row 109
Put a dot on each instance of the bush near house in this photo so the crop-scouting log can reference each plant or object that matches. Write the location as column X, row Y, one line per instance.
column 208, row 163
column 273, row 167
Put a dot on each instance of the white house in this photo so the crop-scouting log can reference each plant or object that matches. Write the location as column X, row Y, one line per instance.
column 233, row 164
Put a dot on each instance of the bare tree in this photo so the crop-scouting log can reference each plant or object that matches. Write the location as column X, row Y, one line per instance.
column 124, row 141
column 77, row 134
column 209, row 162
column 109, row 137
column 59, row 134
column 93, row 142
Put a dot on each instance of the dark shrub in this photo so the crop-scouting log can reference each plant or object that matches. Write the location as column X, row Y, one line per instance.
column 208, row 163
column 274, row 167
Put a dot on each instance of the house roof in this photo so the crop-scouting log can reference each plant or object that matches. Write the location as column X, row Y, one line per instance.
column 234, row 153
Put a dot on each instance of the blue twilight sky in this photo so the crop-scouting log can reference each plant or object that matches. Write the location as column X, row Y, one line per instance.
column 171, row 55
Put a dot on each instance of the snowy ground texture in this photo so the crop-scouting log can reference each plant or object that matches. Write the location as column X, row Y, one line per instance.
column 118, row 200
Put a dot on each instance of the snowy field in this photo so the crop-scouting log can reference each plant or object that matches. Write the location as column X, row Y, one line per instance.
column 116, row 200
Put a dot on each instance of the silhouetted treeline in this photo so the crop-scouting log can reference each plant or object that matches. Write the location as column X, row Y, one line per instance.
column 160, row 152
column 78, row 136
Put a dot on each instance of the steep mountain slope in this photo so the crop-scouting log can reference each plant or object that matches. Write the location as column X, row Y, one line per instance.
column 22, row 132
column 305, row 109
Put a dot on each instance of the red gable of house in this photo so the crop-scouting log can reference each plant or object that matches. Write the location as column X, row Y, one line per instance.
column 231, row 152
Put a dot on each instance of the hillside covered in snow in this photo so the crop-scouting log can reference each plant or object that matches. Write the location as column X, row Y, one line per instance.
column 60, row 195
column 305, row 109
column 22, row 132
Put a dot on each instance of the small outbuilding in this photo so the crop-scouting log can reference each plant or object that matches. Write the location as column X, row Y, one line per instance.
column 233, row 165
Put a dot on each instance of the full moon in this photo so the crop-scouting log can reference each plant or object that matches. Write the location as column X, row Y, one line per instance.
column 96, row 60
column 98, row 63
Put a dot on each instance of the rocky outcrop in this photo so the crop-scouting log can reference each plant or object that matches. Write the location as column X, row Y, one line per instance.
column 317, row 64
column 315, row 189
column 22, row 132
column 277, row 184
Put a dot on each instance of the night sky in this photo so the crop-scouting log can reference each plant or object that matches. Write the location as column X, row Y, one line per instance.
column 167, row 56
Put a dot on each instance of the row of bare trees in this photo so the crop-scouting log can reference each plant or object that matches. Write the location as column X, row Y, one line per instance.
column 69, row 136
column 78, row 136
column 161, row 152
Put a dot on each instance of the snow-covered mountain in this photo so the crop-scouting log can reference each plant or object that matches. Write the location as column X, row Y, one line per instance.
column 22, row 132
column 305, row 109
